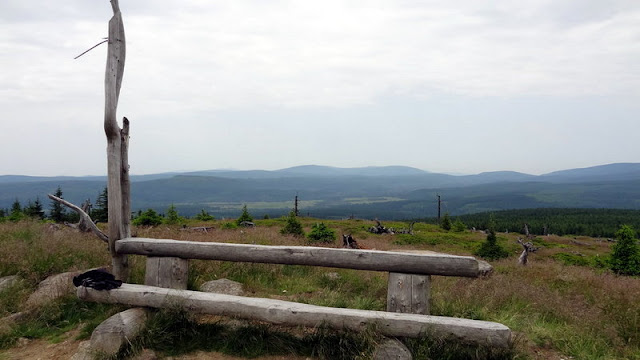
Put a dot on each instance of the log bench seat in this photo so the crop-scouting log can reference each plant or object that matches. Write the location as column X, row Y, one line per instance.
column 408, row 292
column 294, row 314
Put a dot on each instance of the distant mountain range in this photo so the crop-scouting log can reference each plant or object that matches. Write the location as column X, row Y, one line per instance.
column 390, row 192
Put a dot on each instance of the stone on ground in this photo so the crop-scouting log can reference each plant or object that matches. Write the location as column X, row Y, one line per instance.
column 392, row 349
column 8, row 281
column 223, row 286
column 51, row 288
column 116, row 331
column 84, row 351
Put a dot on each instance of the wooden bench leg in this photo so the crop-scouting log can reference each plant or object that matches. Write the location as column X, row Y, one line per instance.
column 167, row 272
column 408, row 293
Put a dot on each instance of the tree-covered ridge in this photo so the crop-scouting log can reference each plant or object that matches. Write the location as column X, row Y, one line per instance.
column 385, row 193
column 588, row 222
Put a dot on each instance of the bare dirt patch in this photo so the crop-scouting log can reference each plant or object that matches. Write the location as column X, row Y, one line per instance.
column 41, row 349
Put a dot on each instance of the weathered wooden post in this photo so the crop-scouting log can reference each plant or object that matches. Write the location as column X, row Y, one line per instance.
column 167, row 272
column 117, row 145
column 407, row 293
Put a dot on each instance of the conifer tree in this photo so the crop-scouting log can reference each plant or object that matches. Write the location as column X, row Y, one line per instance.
column 204, row 216
column 446, row 222
column 321, row 233
column 100, row 212
column 34, row 210
column 172, row 216
column 147, row 218
column 16, row 211
column 625, row 258
column 293, row 226
column 245, row 216
column 57, row 212
column 490, row 249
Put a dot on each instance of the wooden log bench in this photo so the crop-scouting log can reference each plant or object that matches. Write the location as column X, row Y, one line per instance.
column 407, row 299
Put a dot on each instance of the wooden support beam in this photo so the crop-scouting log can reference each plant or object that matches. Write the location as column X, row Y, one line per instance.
column 295, row 314
column 408, row 293
column 420, row 264
column 167, row 272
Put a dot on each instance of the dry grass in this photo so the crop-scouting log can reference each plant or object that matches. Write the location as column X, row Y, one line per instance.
column 578, row 311
column 35, row 251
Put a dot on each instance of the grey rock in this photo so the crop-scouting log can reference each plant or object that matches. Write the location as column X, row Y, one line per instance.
column 117, row 330
column 84, row 351
column 8, row 281
column 223, row 286
column 392, row 349
column 51, row 288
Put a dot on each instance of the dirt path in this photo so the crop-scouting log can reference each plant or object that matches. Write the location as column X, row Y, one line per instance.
column 42, row 349
column 63, row 350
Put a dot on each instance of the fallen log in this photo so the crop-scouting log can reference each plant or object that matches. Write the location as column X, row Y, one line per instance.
column 295, row 314
column 198, row 228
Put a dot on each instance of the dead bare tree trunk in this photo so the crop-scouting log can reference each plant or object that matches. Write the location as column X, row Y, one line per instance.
column 84, row 217
column 83, row 223
column 117, row 145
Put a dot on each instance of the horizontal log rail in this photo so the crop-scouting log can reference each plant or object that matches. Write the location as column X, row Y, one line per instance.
column 291, row 313
column 398, row 262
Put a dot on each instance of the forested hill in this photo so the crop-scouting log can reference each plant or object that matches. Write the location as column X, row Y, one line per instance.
column 394, row 192
column 589, row 222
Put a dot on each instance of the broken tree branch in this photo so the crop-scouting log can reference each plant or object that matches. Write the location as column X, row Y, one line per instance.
column 83, row 215
column 93, row 47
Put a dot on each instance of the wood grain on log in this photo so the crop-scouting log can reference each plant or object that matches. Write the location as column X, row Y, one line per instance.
column 421, row 264
column 295, row 314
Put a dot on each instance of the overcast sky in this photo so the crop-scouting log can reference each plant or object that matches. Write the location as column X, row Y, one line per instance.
column 455, row 86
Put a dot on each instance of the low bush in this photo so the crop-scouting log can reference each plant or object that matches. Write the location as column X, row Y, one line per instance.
column 293, row 226
column 229, row 225
column 148, row 218
column 204, row 216
column 321, row 233
column 490, row 249
column 459, row 226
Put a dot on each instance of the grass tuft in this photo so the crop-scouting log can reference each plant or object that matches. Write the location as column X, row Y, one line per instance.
column 58, row 317
column 441, row 349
